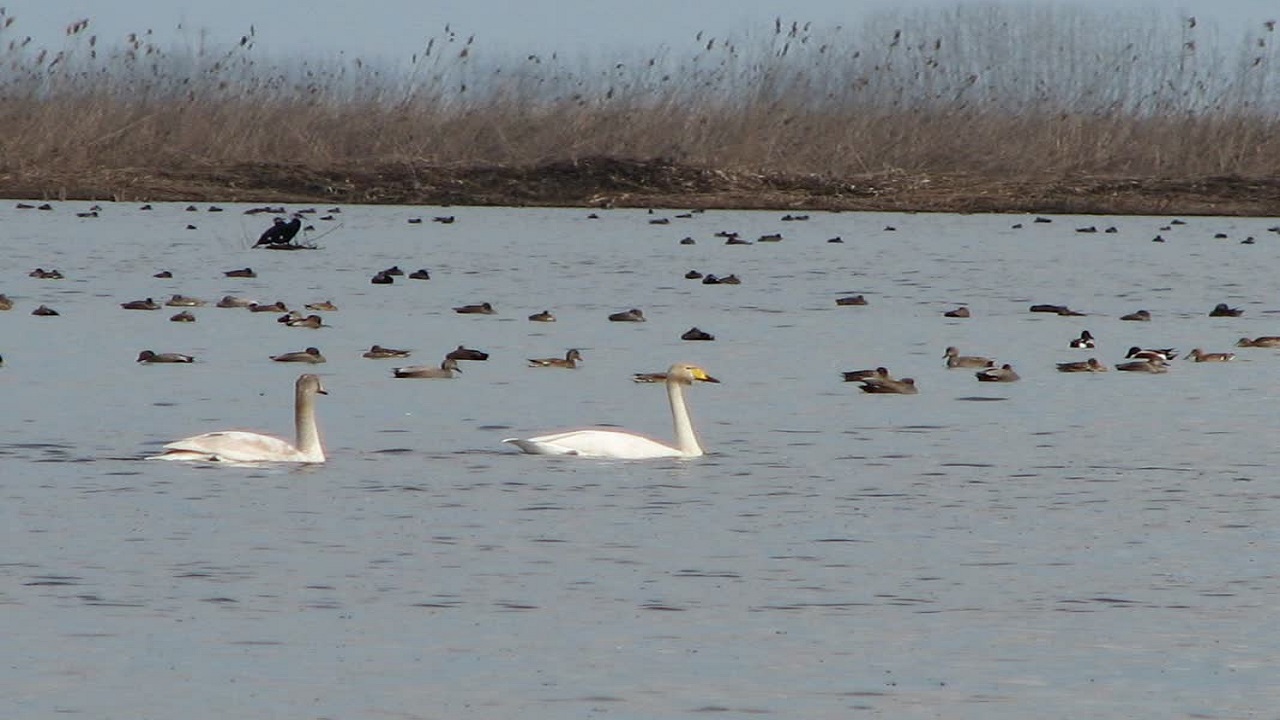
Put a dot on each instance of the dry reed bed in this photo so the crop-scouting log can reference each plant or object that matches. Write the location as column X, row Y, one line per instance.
column 938, row 103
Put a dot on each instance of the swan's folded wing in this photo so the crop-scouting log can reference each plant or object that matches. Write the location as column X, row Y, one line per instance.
column 232, row 446
column 595, row 443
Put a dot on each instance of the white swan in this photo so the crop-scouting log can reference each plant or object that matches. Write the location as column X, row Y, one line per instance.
column 623, row 445
column 249, row 447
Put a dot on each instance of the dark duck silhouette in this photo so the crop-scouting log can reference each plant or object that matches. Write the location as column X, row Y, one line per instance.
column 280, row 232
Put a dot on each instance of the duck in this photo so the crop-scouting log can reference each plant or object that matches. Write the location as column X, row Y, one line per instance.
column 1137, row 316
column 693, row 275
column 147, row 304
column 960, row 312
column 632, row 315
column 163, row 274
column 648, row 377
column 1152, row 365
column 394, row 270
column 624, row 445
column 712, row 279
column 310, row 355
column 851, row 300
column 1263, row 341
column 1090, row 365
column 544, row 316
column 5, row 302
column 466, row 353
column 888, row 386
column 148, row 356
column 310, row 321
column 1161, row 354
column 1004, row 373
column 420, row 274
column 238, row 446
column 956, row 360
column 483, row 308
column 322, row 306
column 377, row 352
column 1199, row 355
column 233, row 301
column 183, row 301
column 694, row 333
column 1084, row 341
column 444, row 372
column 859, row 375
column 382, row 278
column 570, row 360
column 241, row 273
column 184, row 316
column 1224, row 310
column 43, row 274
column 44, row 311
column 275, row 307
column 1055, row 309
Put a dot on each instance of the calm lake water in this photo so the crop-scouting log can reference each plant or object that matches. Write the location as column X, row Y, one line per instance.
column 1070, row 546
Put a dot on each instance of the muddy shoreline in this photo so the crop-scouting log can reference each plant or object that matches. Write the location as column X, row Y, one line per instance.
column 605, row 182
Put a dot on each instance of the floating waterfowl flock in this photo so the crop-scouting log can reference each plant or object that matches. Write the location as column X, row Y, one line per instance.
column 604, row 443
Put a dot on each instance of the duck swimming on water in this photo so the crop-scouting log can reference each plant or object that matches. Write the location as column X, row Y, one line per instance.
column 444, row 372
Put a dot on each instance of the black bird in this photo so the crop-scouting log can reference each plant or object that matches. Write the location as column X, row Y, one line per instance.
column 280, row 232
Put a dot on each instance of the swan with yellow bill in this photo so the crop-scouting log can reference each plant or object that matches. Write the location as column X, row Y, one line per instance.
column 623, row 445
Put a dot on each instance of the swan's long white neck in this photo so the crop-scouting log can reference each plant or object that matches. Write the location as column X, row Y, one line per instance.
column 686, row 440
column 304, row 420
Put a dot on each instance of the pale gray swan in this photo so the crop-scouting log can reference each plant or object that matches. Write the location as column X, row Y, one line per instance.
column 249, row 447
column 623, row 445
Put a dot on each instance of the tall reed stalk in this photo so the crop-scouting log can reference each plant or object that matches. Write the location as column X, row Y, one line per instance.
column 983, row 90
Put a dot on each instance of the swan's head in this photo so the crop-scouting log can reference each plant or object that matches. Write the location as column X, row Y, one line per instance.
column 310, row 384
column 686, row 373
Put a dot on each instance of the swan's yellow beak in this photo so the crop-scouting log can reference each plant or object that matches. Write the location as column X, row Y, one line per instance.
column 700, row 374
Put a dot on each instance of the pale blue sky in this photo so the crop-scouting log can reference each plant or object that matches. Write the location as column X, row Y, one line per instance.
column 395, row 29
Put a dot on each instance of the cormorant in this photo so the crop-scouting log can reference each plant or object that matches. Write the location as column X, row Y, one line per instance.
column 280, row 232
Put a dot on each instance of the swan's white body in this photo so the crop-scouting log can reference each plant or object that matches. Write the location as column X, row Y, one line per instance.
column 238, row 446
column 623, row 445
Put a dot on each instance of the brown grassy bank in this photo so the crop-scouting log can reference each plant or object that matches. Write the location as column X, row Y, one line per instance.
column 605, row 182
column 975, row 110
